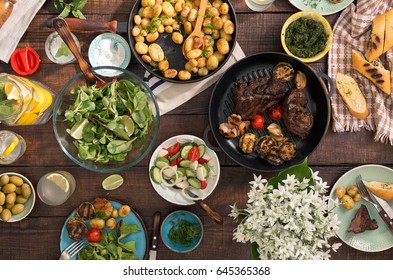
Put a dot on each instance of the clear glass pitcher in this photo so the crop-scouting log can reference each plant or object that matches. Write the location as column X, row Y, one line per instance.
column 24, row 102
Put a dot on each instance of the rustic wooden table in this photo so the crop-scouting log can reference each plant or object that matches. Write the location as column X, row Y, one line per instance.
column 37, row 236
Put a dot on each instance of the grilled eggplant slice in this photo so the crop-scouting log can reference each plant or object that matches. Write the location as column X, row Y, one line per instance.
column 283, row 71
column 76, row 228
column 264, row 144
column 273, row 156
column 86, row 211
column 247, row 142
column 287, row 150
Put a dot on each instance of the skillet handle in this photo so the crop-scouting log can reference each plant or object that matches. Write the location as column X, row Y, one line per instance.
column 332, row 87
column 76, row 24
column 206, row 139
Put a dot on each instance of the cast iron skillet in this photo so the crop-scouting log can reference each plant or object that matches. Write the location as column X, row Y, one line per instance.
column 172, row 51
column 222, row 104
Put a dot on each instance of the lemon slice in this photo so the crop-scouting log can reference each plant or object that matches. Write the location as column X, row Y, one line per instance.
column 60, row 181
column 11, row 92
column 112, row 182
column 11, row 147
column 27, row 118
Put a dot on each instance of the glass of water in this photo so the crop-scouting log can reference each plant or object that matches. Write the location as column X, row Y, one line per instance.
column 259, row 5
column 12, row 146
column 55, row 188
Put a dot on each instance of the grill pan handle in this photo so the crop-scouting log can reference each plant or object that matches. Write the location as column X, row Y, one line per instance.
column 206, row 139
column 330, row 82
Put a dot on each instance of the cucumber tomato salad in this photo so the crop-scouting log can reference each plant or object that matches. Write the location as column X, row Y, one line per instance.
column 183, row 165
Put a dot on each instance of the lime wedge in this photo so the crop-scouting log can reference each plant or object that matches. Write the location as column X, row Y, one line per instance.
column 11, row 147
column 129, row 125
column 77, row 130
column 60, row 181
column 112, row 182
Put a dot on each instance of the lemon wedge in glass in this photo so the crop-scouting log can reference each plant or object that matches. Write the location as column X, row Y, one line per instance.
column 60, row 181
column 11, row 147
column 112, row 182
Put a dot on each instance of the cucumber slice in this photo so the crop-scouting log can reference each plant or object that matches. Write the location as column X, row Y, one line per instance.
column 202, row 150
column 207, row 170
column 190, row 172
column 155, row 174
column 174, row 157
column 186, row 163
column 194, row 182
column 181, row 172
column 161, row 162
column 186, row 148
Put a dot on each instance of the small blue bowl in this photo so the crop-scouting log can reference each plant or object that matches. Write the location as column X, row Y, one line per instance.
column 170, row 221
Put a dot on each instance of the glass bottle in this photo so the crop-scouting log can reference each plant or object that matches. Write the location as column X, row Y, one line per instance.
column 24, row 102
column 6, row 7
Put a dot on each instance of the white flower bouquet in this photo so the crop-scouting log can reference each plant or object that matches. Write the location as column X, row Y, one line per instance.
column 287, row 217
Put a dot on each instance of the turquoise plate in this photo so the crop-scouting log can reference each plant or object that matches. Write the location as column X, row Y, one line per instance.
column 324, row 7
column 376, row 240
column 133, row 218
column 170, row 221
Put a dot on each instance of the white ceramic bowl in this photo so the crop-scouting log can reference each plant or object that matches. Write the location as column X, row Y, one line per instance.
column 28, row 205
column 175, row 195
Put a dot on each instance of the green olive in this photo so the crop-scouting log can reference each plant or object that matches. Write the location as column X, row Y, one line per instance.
column 2, row 198
column 4, row 179
column 9, row 188
column 10, row 198
column 17, row 208
column 20, row 199
column 26, row 190
column 340, row 192
column 17, row 181
column 6, row 215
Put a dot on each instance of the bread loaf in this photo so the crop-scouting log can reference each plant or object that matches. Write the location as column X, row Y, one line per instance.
column 352, row 96
column 376, row 43
column 373, row 71
column 388, row 31
column 381, row 189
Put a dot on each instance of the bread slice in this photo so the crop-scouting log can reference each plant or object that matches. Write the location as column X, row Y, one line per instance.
column 352, row 96
column 375, row 46
column 381, row 189
column 388, row 43
column 372, row 71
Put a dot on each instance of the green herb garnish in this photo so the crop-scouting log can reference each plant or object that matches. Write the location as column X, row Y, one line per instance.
column 75, row 8
column 184, row 232
column 63, row 50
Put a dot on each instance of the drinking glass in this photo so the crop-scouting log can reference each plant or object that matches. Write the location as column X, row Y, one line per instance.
column 259, row 5
column 55, row 188
column 12, row 146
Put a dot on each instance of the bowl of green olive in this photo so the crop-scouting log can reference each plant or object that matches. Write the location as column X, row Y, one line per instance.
column 17, row 197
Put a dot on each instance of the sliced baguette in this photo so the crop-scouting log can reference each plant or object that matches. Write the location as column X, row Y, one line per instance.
column 381, row 189
column 388, row 43
column 376, row 43
column 352, row 96
column 372, row 71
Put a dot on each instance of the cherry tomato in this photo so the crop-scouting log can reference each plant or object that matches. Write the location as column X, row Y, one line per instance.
column 203, row 185
column 258, row 122
column 94, row 235
column 176, row 161
column 174, row 148
column 275, row 113
column 202, row 161
column 193, row 154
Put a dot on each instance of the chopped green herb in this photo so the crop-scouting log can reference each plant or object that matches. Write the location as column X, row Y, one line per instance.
column 184, row 232
column 210, row 25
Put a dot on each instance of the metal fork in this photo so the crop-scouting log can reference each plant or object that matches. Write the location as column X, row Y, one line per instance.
column 363, row 191
column 72, row 250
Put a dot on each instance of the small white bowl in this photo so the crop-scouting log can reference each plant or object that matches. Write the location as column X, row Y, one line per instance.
column 109, row 49
column 28, row 205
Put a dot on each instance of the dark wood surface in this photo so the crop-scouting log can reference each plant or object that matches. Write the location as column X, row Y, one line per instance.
column 37, row 236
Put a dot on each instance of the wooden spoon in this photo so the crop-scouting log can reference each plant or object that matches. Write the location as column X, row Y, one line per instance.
column 64, row 32
column 197, row 32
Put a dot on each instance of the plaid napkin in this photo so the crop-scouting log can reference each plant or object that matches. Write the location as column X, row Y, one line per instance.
column 171, row 95
column 16, row 25
column 352, row 31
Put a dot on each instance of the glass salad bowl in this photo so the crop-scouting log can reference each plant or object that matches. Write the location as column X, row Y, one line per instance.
column 106, row 129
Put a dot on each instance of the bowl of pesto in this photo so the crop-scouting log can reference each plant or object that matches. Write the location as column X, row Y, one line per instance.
column 307, row 36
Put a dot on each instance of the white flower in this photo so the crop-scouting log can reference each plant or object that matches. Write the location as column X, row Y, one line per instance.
column 291, row 221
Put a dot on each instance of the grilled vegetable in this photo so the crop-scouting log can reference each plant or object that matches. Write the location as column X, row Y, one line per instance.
column 247, row 143
column 264, row 144
column 273, row 156
column 86, row 211
column 287, row 150
column 283, row 71
column 300, row 80
column 76, row 228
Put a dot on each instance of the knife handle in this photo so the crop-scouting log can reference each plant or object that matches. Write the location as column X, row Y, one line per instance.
column 76, row 24
column 156, row 229
column 386, row 219
column 214, row 215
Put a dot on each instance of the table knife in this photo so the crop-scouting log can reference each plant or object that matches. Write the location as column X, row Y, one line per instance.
column 214, row 215
column 381, row 211
column 385, row 206
column 154, row 239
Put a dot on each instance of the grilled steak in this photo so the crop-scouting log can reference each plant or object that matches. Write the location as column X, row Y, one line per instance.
column 256, row 95
column 362, row 221
column 297, row 118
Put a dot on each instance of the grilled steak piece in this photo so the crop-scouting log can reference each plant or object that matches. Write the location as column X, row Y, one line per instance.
column 297, row 118
column 256, row 95
column 362, row 221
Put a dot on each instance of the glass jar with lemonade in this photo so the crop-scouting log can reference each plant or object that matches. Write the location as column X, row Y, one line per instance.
column 24, row 102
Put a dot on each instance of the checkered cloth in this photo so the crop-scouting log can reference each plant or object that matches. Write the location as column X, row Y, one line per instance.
column 352, row 31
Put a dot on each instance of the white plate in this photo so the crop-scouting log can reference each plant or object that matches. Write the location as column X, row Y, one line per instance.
column 376, row 240
column 174, row 195
column 325, row 7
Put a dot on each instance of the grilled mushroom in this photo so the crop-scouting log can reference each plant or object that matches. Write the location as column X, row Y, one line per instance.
column 276, row 132
column 300, row 80
column 235, row 119
column 86, row 211
column 76, row 228
column 247, row 142
column 228, row 130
